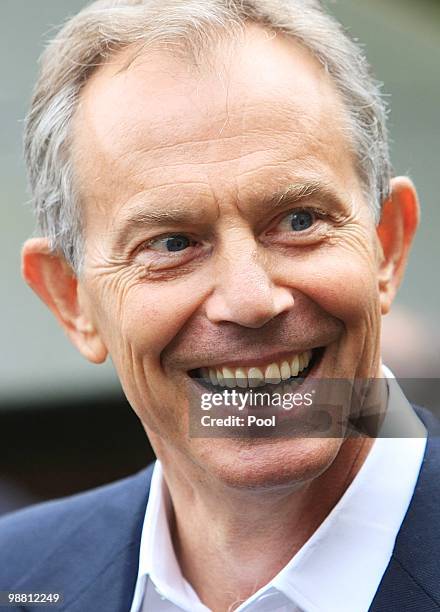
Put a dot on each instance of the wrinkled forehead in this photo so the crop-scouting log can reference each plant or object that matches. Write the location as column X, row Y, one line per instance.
column 158, row 119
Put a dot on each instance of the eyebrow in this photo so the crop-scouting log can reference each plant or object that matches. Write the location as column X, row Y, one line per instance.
column 296, row 193
column 300, row 193
column 143, row 218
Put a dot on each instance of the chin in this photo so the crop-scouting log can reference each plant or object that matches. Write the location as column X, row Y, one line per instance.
column 265, row 463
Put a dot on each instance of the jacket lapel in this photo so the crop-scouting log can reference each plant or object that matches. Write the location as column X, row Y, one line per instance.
column 95, row 562
column 411, row 581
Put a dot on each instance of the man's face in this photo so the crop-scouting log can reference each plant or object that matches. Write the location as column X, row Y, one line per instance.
column 193, row 260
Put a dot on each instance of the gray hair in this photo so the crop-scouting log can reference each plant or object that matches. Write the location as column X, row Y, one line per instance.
column 93, row 35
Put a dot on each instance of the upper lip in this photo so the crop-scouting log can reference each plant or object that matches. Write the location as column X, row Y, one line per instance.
column 254, row 359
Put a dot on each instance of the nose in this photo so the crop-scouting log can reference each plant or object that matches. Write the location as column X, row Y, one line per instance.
column 244, row 292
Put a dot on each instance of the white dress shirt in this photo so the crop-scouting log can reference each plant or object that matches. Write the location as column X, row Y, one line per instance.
column 340, row 567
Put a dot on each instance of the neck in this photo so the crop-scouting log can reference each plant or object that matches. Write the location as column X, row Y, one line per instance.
column 234, row 541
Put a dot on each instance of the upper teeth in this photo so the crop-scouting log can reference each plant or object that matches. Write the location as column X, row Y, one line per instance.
column 252, row 376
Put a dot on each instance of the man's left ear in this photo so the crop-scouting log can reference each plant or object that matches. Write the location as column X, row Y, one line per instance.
column 396, row 229
column 53, row 280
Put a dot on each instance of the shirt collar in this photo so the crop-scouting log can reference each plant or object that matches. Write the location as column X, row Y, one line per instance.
column 340, row 567
column 157, row 560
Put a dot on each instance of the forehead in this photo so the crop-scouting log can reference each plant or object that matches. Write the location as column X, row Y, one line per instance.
column 264, row 112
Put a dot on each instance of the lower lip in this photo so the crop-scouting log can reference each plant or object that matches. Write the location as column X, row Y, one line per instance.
column 302, row 384
column 301, row 417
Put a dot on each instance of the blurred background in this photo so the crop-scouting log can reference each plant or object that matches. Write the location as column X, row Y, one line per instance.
column 64, row 423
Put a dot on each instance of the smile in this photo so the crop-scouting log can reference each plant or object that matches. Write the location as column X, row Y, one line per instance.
column 246, row 376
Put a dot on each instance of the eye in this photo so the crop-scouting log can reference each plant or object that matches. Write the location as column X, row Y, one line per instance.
column 300, row 227
column 301, row 220
column 171, row 243
column 170, row 251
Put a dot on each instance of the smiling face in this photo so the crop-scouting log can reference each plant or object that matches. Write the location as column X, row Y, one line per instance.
column 225, row 227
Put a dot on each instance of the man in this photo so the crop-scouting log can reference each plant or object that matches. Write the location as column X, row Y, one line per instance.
column 213, row 190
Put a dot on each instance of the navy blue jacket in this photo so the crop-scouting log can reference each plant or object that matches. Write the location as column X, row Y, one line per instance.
column 87, row 546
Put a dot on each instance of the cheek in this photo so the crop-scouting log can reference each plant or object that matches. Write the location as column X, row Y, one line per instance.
column 341, row 282
column 154, row 313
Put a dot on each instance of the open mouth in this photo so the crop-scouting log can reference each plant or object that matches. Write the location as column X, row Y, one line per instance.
column 290, row 369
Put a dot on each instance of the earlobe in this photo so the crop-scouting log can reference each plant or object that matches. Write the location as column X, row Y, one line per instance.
column 53, row 280
column 396, row 230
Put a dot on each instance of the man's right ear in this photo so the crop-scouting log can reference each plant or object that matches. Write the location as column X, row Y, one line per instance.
column 54, row 281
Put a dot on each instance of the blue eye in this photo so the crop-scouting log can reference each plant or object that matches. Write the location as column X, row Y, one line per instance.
column 170, row 244
column 301, row 220
column 177, row 243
